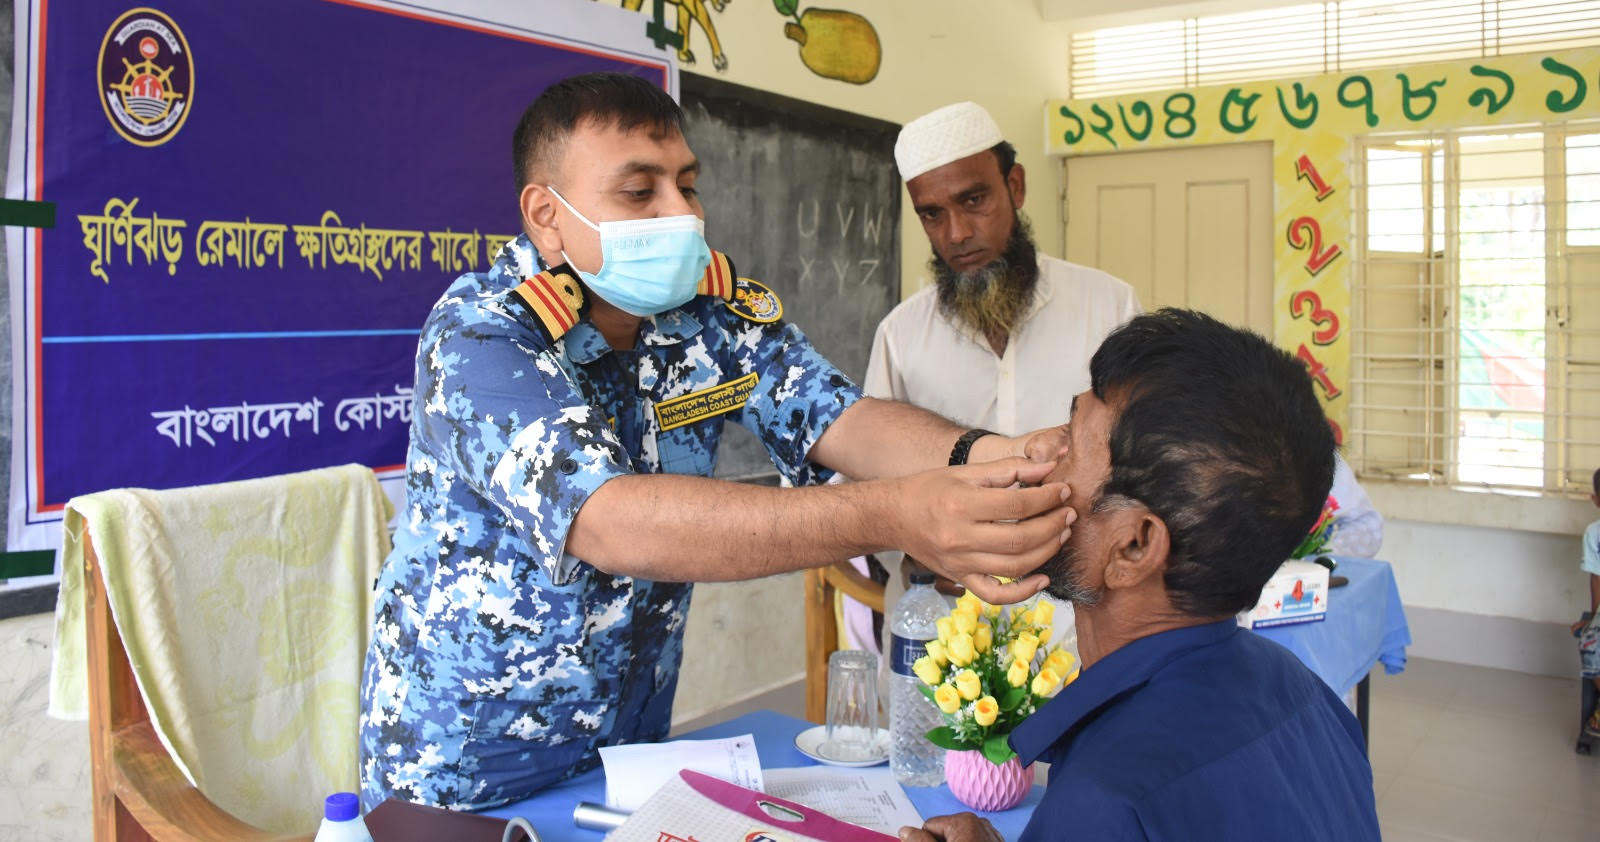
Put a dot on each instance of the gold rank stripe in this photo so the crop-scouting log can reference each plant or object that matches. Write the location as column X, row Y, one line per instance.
column 555, row 299
column 718, row 279
column 716, row 400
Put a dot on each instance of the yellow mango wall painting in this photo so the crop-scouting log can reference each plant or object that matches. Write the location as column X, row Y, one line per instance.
column 832, row 43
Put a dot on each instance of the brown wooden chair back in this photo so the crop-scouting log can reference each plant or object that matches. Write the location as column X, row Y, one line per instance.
column 822, row 627
column 139, row 792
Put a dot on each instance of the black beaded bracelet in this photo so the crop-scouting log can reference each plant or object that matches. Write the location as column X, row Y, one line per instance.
column 963, row 448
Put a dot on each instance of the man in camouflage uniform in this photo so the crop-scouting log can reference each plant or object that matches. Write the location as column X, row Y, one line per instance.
column 558, row 492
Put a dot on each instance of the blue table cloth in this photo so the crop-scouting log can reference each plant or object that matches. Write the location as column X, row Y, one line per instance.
column 1365, row 625
column 551, row 810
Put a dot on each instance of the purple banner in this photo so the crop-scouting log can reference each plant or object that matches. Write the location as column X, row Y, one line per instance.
column 257, row 204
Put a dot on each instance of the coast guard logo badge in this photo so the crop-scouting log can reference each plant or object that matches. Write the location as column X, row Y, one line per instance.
column 756, row 301
column 146, row 77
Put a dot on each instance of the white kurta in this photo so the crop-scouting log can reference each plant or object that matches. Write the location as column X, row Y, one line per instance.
column 920, row 356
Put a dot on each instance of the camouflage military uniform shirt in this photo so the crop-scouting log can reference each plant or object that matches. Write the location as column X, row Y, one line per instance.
column 499, row 663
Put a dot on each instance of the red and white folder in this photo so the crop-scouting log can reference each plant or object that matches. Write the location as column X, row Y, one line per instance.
column 693, row 807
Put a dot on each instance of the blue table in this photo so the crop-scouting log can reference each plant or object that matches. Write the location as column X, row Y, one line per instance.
column 1365, row 625
column 551, row 810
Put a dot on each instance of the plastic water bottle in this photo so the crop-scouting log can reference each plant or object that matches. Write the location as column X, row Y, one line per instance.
column 341, row 820
column 915, row 761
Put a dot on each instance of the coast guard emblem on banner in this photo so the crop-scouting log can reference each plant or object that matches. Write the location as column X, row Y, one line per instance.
column 146, row 77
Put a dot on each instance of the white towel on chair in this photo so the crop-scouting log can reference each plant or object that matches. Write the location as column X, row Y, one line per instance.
column 245, row 609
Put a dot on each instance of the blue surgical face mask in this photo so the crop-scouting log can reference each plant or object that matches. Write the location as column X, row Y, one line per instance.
column 648, row 266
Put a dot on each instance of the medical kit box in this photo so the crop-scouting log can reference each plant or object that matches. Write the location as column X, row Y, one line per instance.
column 1297, row 593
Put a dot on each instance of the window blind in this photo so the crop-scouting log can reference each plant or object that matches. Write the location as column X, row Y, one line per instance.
column 1316, row 38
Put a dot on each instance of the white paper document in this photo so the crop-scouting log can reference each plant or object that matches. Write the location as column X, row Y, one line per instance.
column 869, row 797
column 635, row 772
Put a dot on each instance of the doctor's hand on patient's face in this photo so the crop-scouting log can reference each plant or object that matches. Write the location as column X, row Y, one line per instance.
column 973, row 523
column 961, row 827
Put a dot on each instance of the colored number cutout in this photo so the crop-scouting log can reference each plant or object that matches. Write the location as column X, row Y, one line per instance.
column 1184, row 115
column 1320, row 257
column 1324, row 318
column 1303, row 168
column 1149, row 119
column 1319, row 372
column 1070, row 136
column 1104, row 125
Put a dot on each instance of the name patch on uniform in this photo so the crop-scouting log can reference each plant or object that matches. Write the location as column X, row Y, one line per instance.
column 723, row 397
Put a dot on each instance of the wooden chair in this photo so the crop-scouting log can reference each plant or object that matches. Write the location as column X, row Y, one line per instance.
column 139, row 792
column 822, row 627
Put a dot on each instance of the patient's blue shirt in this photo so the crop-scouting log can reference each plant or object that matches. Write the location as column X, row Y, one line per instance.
column 1203, row 733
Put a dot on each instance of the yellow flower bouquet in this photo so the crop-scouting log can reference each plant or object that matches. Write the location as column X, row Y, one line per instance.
column 988, row 671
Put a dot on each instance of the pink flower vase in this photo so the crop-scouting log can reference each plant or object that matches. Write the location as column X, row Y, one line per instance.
column 981, row 785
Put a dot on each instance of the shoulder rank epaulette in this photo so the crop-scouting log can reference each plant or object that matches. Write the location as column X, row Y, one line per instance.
column 555, row 297
column 718, row 279
column 755, row 301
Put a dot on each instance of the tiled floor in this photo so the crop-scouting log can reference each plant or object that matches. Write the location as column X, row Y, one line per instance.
column 1471, row 753
column 1458, row 753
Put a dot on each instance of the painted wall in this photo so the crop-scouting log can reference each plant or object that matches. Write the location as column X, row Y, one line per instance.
column 1494, row 572
column 44, row 763
column 1003, row 55
column 1088, row 15
column 1484, row 554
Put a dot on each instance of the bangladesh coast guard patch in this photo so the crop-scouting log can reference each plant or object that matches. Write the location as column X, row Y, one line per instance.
column 755, row 301
column 146, row 77
column 696, row 406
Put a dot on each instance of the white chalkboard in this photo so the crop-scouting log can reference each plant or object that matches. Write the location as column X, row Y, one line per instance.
column 805, row 199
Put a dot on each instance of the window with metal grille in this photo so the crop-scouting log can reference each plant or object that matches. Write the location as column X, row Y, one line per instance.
column 1475, row 352
column 1316, row 38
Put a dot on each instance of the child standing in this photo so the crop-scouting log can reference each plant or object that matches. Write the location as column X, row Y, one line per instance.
column 1587, row 629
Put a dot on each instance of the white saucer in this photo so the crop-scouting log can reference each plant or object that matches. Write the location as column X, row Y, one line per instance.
column 810, row 743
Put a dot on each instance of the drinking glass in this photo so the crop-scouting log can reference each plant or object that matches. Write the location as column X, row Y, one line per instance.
column 852, row 706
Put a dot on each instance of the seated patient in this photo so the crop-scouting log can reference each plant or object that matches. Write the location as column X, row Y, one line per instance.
column 1199, row 458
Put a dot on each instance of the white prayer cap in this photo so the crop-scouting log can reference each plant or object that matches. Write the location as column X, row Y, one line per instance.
column 947, row 134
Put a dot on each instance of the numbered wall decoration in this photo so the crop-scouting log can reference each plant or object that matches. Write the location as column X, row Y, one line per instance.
column 1312, row 123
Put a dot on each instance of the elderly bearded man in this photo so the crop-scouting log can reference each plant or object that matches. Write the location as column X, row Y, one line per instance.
column 999, row 317
column 1001, row 338
column 1199, row 458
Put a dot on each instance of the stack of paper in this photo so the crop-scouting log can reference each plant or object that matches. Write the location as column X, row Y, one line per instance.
column 635, row 772
column 870, row 798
